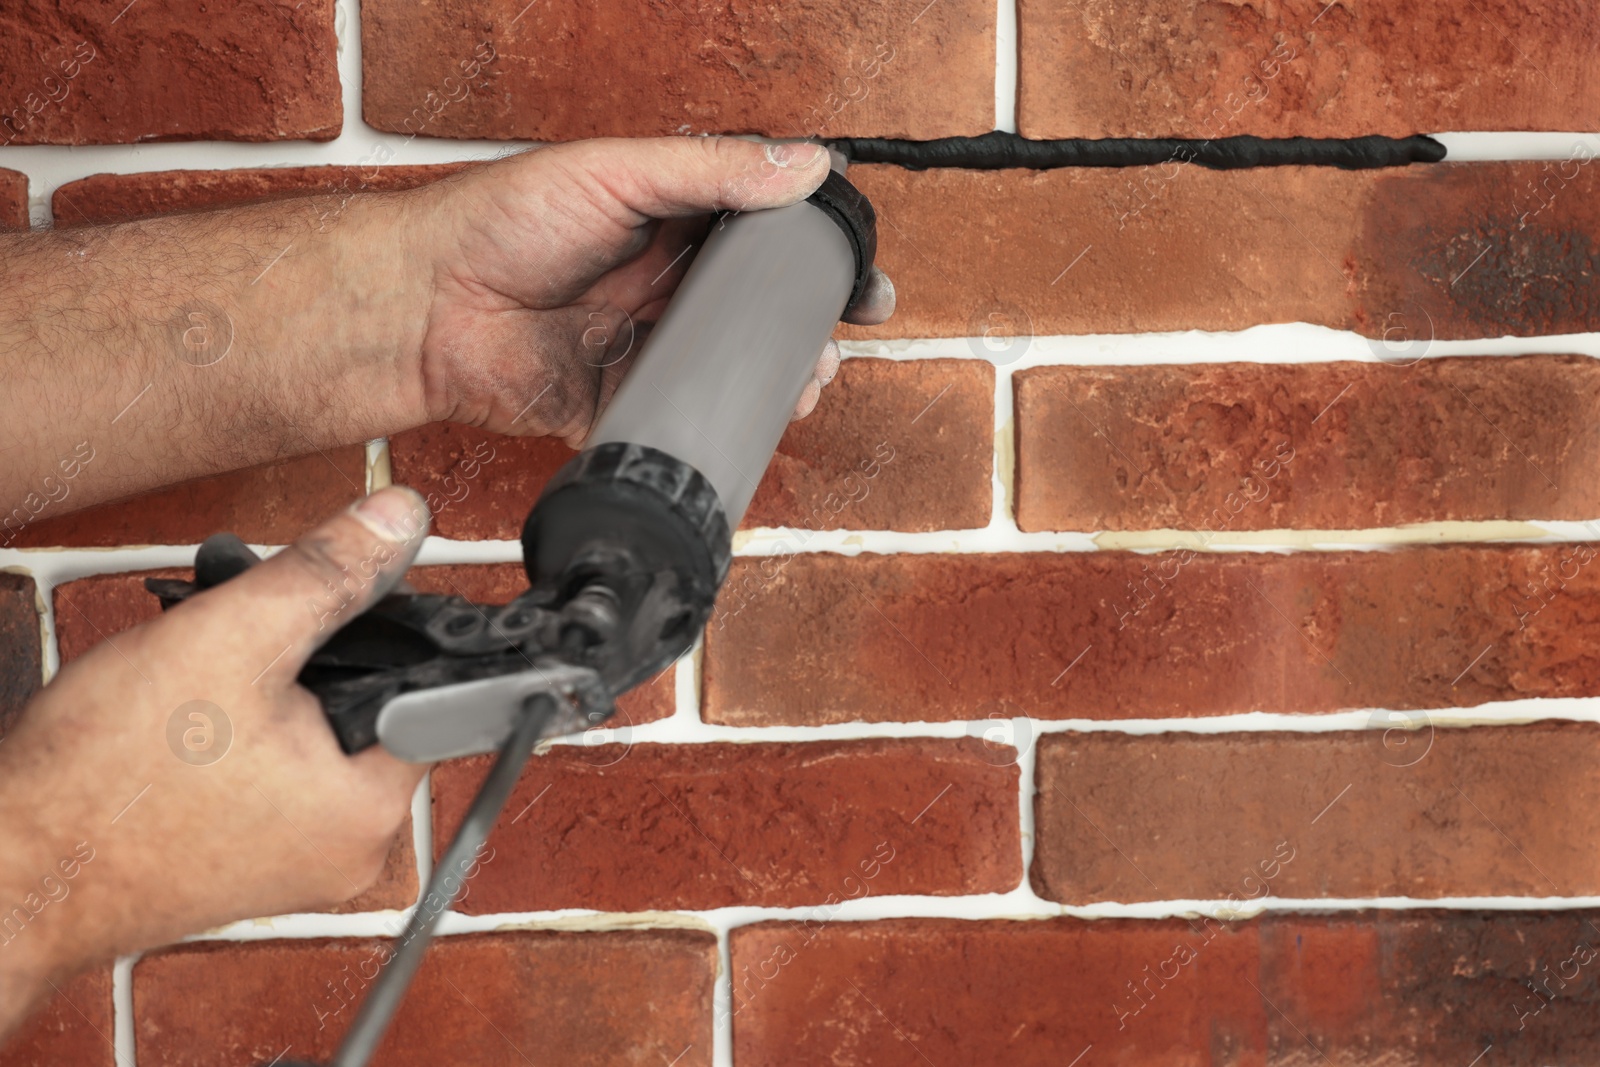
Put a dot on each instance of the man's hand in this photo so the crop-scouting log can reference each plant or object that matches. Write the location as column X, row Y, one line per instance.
column 550, row 268
column 511, row 295
column 184, row 777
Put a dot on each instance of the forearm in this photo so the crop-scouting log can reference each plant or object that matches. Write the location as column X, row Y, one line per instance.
column 34, row 904
column 148, row 353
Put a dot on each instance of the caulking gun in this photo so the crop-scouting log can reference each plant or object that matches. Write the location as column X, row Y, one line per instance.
column 625, row 549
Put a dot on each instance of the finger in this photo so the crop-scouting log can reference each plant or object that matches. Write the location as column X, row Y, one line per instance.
column 298, row 599
column 644, row 285
column 824, row 372
column 828, row 363
column 808, row 400
column 378, row 765
column 876, row 303
column 669, row 177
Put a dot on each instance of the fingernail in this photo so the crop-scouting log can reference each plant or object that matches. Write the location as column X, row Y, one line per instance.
column 396, row 514
column 830, row 354
column 802, row 154
column 885, row 288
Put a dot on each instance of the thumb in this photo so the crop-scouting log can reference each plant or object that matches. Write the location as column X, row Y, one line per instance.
column 300, row 597
column 672, row 177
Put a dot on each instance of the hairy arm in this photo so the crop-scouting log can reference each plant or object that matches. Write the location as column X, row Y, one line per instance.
column 151, row 352
column 512, row 295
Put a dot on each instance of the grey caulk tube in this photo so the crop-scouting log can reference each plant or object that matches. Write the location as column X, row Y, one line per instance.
column 718, row 377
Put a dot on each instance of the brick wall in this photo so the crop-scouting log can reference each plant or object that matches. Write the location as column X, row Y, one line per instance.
column 1088, row 689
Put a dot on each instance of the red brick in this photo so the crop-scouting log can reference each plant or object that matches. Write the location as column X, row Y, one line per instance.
column 498, row 583
column 891, row 446
column 661, row 827
column 89, row 610
column 495, row 69
column 1304, row 68
column 272, row 504
column 1431, row 989
column 74, row 1026
column 933, row 637
column 102, row 198
column 179, row 70
column 13, row 200
column 634, row 996
column 1201, row 447
column 94, row 609
column 1388, row 253
column 1018, row 993
column 21, row 646
column 479, row 485
column 1396, row 812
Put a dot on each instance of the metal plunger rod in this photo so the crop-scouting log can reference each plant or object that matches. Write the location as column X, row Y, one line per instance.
column 390, row 989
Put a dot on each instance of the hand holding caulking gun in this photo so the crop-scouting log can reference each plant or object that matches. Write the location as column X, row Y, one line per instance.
column 625, row 549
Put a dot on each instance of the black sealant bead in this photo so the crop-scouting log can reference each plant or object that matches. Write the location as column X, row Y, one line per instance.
column 998, row 150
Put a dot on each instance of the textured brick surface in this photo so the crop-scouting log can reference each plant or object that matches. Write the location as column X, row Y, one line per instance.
column 21, row 646
column 478, row 484
column 72, row 1027
column 1425, row 989
column 1203, row 447
column 498, row 583
column 89, row 610
column 1068, row 635
column 116, row 197
column 1304, row 68
column 1445, row 250
column 13, row 200
column 635, row 996
column 891, row 446
column 94, row 609
column 169, row 71
column 660, row 827
column 497, row 69
column 272, row 505
column 1410, row 810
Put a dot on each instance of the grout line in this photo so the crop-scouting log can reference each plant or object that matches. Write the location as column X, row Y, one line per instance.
column 1002, row 511
column 1481, row 147
column 58, row 566
column 1006, row 58
column 422, row 832
column 1497, row 713
column 1019, row 905
column 54, row 567
column 122, row 1011
column 1002, row 537
column 347, row 27
column 46, row 589
column 380, row 472
column 686, row 687
column 1027, row 790
column 1278, row 344
column 722, row 1001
